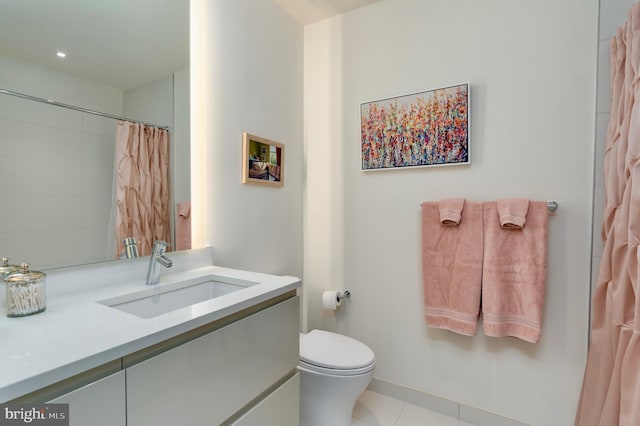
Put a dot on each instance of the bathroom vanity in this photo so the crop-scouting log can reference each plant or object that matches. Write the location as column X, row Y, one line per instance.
column 227, row 359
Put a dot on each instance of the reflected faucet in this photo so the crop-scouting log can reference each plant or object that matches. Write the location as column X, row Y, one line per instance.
column 130, row 248
column 157, row 256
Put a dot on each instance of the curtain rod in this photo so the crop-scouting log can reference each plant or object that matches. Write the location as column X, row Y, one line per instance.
column 73, row 107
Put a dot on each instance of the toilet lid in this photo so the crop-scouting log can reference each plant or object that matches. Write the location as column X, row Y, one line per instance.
column 335, row 351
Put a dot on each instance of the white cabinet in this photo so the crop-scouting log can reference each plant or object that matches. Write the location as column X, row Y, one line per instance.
column 240, row 371
column 207, row 380
column 280, row 408
column 101, row 403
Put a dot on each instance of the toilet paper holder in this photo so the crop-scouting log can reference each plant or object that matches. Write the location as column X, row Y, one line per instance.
column 344, row 295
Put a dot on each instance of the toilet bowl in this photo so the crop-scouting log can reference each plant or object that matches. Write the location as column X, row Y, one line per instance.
column 334, row 371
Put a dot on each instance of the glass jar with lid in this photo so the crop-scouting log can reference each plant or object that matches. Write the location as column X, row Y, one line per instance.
column 26, row 293
column 6, row 269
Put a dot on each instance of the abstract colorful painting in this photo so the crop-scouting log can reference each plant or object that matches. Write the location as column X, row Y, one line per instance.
column 429, row 128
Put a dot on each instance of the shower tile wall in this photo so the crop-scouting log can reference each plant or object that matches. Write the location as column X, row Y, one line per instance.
column 612, row 14
column 56, row 167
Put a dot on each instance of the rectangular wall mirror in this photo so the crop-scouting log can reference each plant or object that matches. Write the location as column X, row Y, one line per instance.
column 123, row 58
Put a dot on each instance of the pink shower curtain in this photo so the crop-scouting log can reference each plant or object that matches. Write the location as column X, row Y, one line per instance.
column 611, row 388
column 141, row 185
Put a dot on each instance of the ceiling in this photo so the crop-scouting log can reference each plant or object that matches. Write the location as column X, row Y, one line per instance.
column 121, row 43
column 310, row 11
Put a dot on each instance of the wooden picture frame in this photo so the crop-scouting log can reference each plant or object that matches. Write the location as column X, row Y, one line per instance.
column 262, row 161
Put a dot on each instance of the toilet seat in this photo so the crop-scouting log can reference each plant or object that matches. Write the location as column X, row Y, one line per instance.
column 334, row 354
column 335, row 371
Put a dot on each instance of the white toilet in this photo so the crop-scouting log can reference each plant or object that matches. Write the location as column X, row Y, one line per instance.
column 334, row 371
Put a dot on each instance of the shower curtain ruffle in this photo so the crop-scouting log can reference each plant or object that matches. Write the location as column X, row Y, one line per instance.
column 611, row 387
column 141, row 185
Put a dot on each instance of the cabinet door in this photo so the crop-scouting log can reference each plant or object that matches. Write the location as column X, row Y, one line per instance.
column 101, row 403
column 206, row 380
column 281, row 408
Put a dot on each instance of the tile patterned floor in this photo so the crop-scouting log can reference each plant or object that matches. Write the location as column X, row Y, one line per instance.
column 374, row 409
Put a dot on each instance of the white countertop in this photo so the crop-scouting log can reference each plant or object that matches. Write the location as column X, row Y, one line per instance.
column 76, row 333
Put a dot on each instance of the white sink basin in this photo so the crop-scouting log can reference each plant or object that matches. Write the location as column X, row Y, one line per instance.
column 160, row 300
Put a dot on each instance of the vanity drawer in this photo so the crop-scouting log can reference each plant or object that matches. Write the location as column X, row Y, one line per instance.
column 101, row 403
column 207, row 380
column 280, row 408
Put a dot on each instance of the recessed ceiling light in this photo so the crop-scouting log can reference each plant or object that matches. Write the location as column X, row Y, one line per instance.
column 61, row 55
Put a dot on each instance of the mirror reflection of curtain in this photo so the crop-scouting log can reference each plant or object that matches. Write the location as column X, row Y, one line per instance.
column 141, row 187
column 611, row 387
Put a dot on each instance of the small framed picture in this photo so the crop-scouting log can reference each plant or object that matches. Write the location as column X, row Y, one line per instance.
column 262, row 161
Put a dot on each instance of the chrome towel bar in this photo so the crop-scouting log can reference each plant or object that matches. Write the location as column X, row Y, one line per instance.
column 552, row 206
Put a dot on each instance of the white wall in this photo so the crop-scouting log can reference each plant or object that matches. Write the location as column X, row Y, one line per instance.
column 56, row 167
column 151, row 103
column 251, row 63
column 531, row 66
column 181, row 137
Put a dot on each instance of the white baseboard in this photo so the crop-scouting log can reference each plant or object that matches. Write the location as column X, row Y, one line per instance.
column 442, row 405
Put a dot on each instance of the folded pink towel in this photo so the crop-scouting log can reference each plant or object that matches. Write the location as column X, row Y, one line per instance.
column 450, row 211
column 514, row 274
column 183, row 225
column 513, row 212
column 452, row 268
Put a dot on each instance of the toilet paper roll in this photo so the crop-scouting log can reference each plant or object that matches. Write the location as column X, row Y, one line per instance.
column 331, row 300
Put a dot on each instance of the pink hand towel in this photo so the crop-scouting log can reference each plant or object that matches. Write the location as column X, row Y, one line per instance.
column 450, row 211
column 514, row 274
column 183, row 225
column 513, row 212
column 452, row 268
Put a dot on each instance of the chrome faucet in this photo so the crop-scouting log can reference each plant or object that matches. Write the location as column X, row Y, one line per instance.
column 157, row 256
